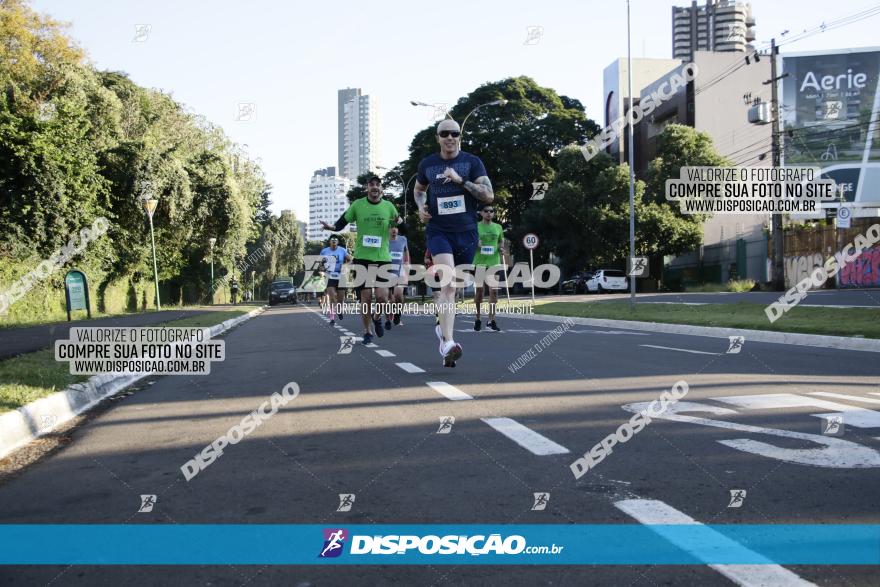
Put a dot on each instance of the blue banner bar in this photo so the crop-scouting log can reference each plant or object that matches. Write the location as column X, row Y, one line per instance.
column 601, row 544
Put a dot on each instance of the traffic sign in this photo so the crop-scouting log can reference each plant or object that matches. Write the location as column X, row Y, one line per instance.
column 530, row 241
column 844, row 217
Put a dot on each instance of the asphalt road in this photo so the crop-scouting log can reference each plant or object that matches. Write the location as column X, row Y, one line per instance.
column 363, row 424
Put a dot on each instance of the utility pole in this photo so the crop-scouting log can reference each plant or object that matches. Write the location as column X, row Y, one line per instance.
column 778, row 234
column 632, row 162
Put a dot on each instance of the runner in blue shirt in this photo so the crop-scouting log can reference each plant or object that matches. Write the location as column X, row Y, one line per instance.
column 334, row 257
column 399, row 248
column 458, row 186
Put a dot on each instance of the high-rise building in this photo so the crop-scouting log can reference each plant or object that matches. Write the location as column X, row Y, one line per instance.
column 720, row 25
column 358, row 121
column 327, row 200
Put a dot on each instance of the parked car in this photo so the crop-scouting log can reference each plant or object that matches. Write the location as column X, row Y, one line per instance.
column 607, row 280
column 282, row 290
column 576, row 284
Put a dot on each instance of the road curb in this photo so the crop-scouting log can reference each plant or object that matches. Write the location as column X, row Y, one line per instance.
column 815, row 340
column 21, row 426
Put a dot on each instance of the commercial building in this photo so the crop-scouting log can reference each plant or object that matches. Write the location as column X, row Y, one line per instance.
column 327, row 201
column 719, row 25
column 358, row 133
column 716, row 102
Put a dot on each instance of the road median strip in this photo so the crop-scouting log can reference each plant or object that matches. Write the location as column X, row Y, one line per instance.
column 729, row 320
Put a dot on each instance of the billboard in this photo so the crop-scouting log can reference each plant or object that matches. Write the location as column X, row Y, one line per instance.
column 830, row 104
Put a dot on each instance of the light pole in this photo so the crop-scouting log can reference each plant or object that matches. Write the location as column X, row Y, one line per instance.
column 404, row 184
column 632, row 171
column 211, row 242
column 501, row 102
column 150, row 206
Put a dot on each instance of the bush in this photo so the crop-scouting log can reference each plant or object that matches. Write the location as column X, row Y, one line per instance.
column 740, row 285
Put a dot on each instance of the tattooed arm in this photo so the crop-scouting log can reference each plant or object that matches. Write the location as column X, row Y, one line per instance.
column 481, row 189
column 421, row 198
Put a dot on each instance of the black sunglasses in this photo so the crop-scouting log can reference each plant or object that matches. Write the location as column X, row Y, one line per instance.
column 445, row 133
column 490, row 211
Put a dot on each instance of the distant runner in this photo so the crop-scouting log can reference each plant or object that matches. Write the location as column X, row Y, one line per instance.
column 458, row 185
column 334, row 257
column 399, row 249
column 374, row 218
column 489, row 255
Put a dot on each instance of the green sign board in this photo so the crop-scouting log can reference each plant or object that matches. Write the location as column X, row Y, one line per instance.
column 76, row 289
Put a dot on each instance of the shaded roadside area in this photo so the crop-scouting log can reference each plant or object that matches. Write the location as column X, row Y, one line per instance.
column 17, row 341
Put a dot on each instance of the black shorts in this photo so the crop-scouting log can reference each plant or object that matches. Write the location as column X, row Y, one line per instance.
column 379, row 282
column 333, row 283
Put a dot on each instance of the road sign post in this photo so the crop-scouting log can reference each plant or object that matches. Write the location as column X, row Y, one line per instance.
column 76, row 292
column 844, row 217
column 531, row 241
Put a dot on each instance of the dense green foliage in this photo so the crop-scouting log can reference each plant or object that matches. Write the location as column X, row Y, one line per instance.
column 77, row 144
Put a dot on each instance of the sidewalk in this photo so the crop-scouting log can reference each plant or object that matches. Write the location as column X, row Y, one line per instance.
column 27, row 339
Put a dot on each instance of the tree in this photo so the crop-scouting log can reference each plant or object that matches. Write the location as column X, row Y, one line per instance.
column 584, row 217
column 679, row 146
column 517, row 142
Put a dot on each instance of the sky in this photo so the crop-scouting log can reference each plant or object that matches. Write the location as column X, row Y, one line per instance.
column 288, row 59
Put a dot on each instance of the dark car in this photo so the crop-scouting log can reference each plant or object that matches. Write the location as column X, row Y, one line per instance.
column 576, row 284
column 282, row 290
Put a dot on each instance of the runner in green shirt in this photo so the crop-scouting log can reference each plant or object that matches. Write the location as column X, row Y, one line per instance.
column 374, row 218
column 488, row 254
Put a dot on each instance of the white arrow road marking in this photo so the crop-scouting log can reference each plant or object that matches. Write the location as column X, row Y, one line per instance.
column 525, row 437
column 855, row 398
column 672, row 348
column 657, row 515
column 834, row 453
column 409, row 367
column 384, row 353
column 852, row 416
column 448, row 391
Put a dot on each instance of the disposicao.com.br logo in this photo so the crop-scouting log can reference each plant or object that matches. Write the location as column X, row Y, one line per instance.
column 476, row 545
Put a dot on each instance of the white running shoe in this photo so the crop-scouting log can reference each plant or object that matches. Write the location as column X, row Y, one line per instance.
column 451, row 352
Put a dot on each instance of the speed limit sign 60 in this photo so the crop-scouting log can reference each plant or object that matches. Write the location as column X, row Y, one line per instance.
column 530, row 241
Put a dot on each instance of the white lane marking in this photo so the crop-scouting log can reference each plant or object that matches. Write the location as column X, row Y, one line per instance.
column 526, row 437
column 672, row 348
column 855, row 398
column 372, row 345
column 833, row 453
column 852, row 416
column 409, row 367
column 448, row 391
column 347, row 333
column 657, row 515
column 384, row 353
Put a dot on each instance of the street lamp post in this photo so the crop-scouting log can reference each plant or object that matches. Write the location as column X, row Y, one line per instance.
column 501, row 102
column 211, row 242
column 404, row 184
column 632, row 158
column 150, row 206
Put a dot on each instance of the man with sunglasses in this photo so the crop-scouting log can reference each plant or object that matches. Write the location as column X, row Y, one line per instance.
column 374, row 218
column 458, row 186
column 489, row 255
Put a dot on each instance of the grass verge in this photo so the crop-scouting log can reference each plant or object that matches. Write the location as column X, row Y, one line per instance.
column 829, row 321
column 29, row 377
